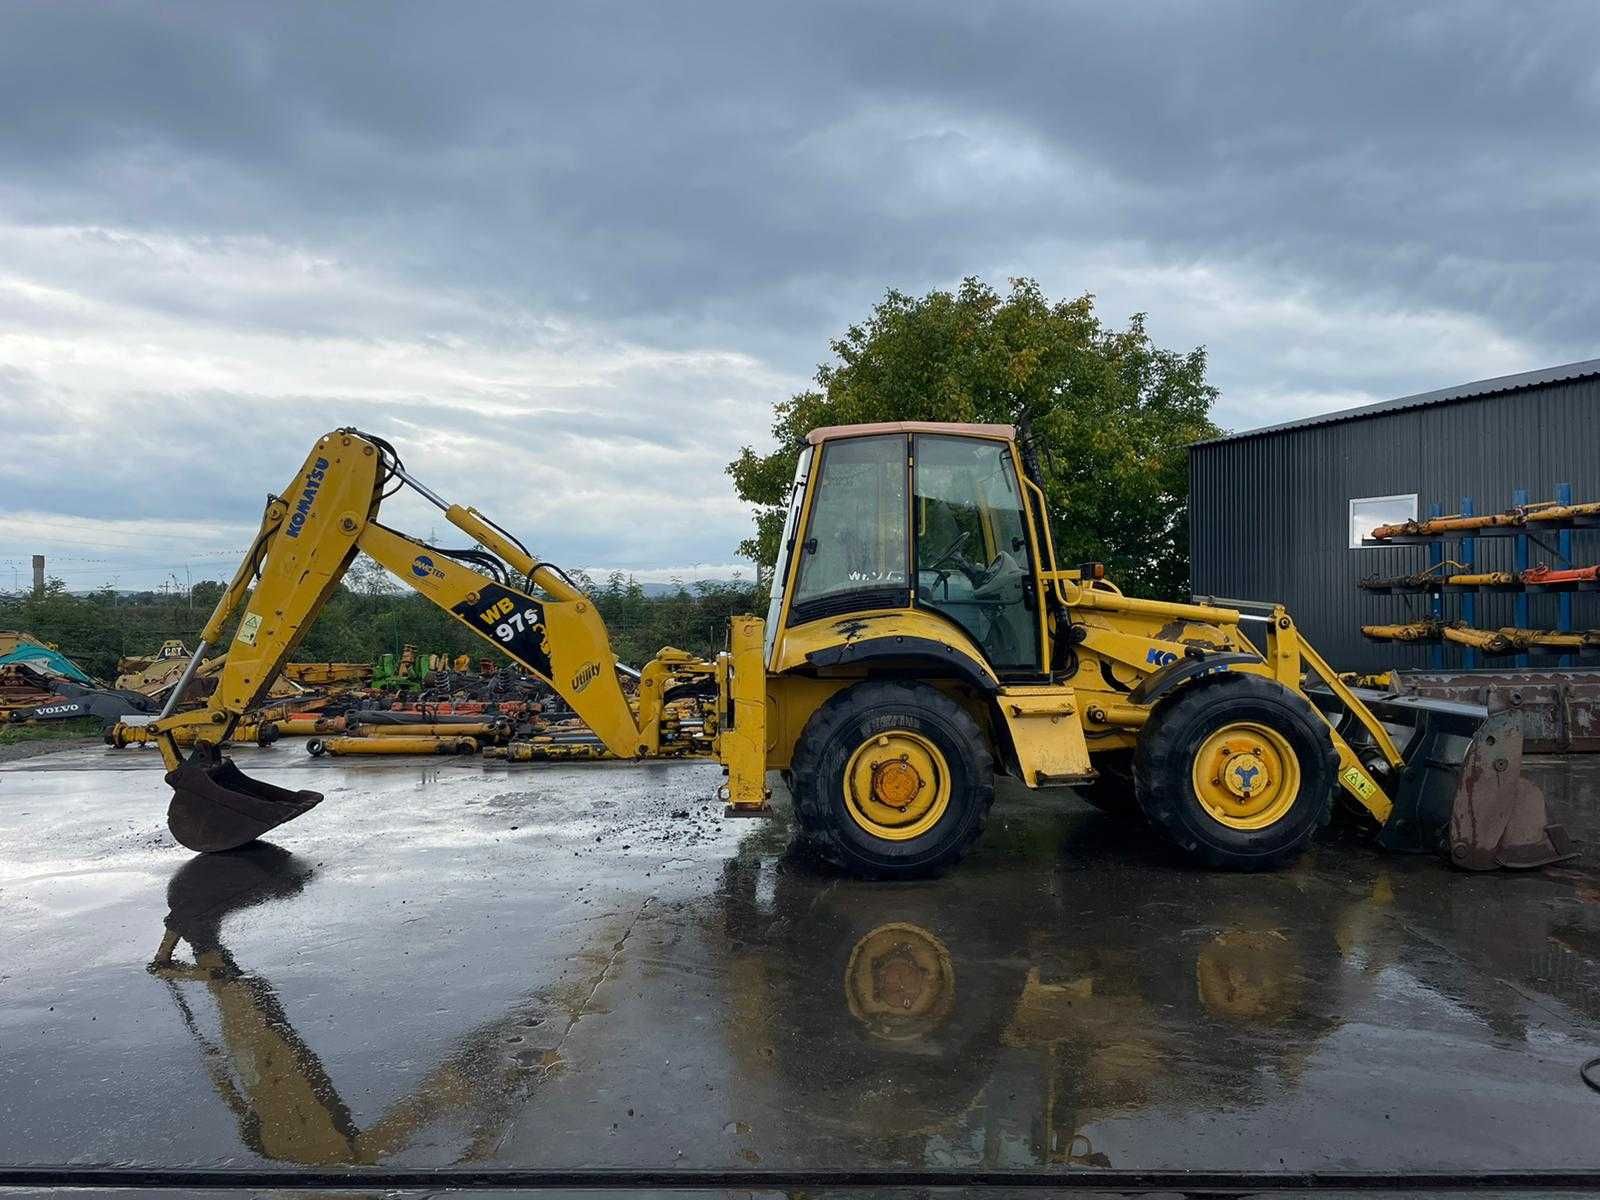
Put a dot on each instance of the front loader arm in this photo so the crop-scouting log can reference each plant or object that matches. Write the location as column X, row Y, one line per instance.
column 307, row 541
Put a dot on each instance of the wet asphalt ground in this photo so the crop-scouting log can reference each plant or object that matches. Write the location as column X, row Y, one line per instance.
column 449, row 962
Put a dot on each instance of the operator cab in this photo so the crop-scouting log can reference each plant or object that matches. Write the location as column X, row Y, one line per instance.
column 913, row 514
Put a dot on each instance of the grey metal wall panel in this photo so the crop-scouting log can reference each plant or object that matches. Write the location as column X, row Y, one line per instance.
column 1269, row 512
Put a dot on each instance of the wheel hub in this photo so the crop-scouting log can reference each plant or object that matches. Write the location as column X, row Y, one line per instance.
column 1246, row 775
column 897, row 785
column 895, row 782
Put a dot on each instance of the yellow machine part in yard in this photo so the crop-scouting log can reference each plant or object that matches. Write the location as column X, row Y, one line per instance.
column 484, row 731
column 400, row 744
column 920, row 638
column 1509, row 640
column 123, row 734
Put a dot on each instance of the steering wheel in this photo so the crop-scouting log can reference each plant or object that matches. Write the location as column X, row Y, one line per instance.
column 947, row 560
column 991, row 571
column 944, row 556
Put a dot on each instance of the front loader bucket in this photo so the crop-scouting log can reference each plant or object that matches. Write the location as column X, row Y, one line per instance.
column 1461, row 793
column 216, row 806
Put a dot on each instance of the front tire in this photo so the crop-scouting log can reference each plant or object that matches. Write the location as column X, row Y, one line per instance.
column 892, row 781
column 1237, row 771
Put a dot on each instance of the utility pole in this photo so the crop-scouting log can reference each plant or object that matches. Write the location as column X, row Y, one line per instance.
column 38, row 574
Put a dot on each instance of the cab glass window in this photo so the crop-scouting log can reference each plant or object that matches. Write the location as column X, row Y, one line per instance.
column 854, row 553
column 972, row 546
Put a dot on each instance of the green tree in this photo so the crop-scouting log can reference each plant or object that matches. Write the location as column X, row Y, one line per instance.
column 206, row 593
column 1111, row 414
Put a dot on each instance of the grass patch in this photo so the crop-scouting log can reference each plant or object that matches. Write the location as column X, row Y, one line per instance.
column 13, row 732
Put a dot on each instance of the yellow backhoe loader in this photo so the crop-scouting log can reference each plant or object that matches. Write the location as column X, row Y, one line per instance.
column 920, row 637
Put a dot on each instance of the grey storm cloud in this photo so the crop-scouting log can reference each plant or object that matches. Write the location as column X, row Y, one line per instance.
column 550, row 241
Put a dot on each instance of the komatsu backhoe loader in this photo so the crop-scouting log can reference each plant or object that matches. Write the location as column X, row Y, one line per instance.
column 920, row 638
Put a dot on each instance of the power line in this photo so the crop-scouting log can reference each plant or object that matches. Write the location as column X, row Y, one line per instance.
column 101, row 565
column 26, row 557
column 141, row 534
column 51, row 539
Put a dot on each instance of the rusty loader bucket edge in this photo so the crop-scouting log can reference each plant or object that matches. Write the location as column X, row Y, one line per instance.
column 1460, row 791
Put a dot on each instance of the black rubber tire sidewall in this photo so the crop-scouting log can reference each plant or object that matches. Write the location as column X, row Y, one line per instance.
column 1175, row 732
column 837, row 730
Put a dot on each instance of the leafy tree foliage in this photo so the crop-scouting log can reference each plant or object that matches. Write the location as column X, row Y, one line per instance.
column 1111, row 414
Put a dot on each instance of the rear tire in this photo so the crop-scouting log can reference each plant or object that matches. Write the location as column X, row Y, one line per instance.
column 892, row 781
column 1237, row 771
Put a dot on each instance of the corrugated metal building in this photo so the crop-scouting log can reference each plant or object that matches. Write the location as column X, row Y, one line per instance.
column 1271, row 509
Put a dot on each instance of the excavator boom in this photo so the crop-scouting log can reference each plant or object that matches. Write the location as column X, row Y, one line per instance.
column 528, row 610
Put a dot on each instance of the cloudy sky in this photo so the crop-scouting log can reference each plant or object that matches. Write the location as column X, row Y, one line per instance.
column 567, row 256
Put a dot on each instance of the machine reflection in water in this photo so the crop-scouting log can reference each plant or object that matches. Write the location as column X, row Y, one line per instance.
column 920, row 1021
column 281, row 1094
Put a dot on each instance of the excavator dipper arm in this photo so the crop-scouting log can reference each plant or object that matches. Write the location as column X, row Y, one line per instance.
column 528, row 610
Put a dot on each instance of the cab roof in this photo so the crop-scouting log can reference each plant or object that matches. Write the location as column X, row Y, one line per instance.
column 954, row 428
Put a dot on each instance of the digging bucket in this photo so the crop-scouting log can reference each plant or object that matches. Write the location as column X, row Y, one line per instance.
column 216, row 806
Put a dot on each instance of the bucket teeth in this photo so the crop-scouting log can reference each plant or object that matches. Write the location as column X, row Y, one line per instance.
column 216, row 806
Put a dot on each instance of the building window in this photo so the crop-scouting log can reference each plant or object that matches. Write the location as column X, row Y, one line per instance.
column 1368, row 513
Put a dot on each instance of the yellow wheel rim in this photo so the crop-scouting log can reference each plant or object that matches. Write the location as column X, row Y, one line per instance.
column 1246, row 775
column 900, row 982
column 897, row 785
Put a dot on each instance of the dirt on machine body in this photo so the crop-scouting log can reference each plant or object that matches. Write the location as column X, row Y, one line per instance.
column 920, row 637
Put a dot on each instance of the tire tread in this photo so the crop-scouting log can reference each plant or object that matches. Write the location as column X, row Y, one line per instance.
column 811, row 805
column 1161, row 766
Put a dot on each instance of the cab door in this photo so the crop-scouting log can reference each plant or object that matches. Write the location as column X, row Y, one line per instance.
column 971, row 546
column 855, row 554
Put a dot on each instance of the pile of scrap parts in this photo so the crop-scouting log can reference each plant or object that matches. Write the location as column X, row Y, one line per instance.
column 405, row 704
column 155, row 675
column 306, row 688
column 1487, row 641
column 25, row 649
column 39, row 684
column 23, row 688
column 1546, row 514
column 541, row 729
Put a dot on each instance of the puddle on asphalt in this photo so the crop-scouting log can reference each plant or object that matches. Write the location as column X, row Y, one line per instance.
column 285, row 1099
column 1087, row 1001
column 1068, row 997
